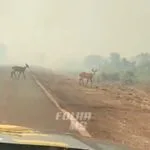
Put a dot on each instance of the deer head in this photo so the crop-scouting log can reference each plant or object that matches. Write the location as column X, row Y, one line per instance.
column 27, row 66
column 94, row 70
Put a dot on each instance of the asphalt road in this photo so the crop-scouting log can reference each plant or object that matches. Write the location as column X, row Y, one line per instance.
column 23, row 103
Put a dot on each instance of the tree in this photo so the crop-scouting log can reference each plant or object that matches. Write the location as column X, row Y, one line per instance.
column 110, row 76
column 114, row 61
column 127, row 65
column 115, row 57
column 143, row 61
column 129, row 77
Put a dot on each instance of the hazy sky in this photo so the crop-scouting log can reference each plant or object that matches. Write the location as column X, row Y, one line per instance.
column 37, row 30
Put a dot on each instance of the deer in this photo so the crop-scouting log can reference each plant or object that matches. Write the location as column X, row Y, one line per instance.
column 87, row 76
column 20, row 70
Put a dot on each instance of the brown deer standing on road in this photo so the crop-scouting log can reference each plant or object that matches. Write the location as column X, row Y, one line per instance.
column 20, row 70
column 87, row 76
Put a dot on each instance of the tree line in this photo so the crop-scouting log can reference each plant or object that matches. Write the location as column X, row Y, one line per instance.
column 117, row 68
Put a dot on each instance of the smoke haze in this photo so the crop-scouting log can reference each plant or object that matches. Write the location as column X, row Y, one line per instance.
column 52, row 32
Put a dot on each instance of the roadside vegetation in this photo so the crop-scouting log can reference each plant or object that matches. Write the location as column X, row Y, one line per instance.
column 115, row 68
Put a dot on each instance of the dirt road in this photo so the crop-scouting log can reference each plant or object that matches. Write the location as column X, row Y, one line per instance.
column 23, row 103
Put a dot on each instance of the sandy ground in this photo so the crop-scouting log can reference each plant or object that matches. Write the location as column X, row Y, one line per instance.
column 120, row 114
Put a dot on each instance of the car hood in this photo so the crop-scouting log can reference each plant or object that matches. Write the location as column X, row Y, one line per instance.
column 22, row 135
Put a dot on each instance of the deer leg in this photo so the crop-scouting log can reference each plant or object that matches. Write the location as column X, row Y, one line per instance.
column 24, row 75
column 12, row 74
column 19, row 75
column 91, row 82
column 87, row 82
column 15, row 74
column 83, row 82
column 80, row 81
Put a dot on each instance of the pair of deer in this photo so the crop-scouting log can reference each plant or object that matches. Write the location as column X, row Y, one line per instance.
column 19, row 70
column 87, row 76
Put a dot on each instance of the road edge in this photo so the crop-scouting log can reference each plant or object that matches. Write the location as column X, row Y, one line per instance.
column 82, row 130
